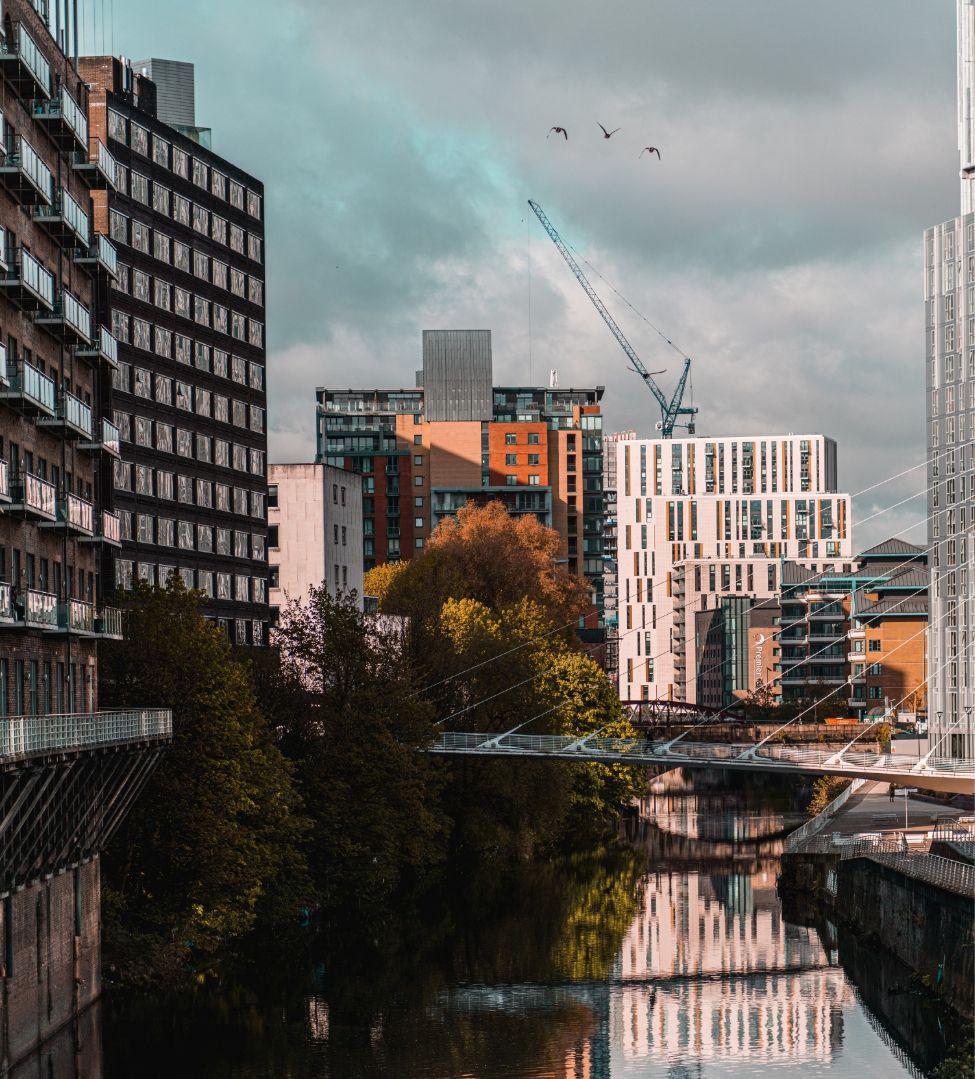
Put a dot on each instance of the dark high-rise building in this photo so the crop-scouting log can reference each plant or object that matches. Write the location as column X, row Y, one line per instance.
column 56, row 438
column 187, row 311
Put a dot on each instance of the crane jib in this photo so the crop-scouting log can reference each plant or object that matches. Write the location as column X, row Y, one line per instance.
column 669, row 410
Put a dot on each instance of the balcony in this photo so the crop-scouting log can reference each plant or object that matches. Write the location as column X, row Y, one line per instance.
column 77, row 616
column 24, row 174
column 99, row 257
column 109, row 530
column 64, row 119
column 27, row 284
column 69, row 320
column 64, row 219
column 104, row 348
column 75, row 515
column 8, row 616
column 23, row 64
column 28, row 390
column 73, row 415
column 108, row 624
column 4, row 481
column 33, row 497
column 108, row 443
column 96, row 165
column 40, row 609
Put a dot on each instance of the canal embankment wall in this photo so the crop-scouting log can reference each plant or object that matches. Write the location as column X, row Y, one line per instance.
column 51, row 968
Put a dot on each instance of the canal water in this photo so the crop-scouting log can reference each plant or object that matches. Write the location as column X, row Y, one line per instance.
column 673, row 958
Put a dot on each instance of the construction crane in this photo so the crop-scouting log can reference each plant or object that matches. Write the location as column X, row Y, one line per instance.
column 670, row 411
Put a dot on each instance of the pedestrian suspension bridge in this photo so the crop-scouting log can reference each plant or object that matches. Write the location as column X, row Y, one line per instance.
column 950, row 775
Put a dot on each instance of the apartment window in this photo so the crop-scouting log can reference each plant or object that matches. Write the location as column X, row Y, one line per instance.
column 417, row 481
column 511, row 458
column 533, row 438
column 533, row 480
column 533, row 458
column 875, row 646
column 511, row 440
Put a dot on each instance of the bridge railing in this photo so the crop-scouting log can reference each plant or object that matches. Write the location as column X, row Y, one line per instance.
column 26, row 736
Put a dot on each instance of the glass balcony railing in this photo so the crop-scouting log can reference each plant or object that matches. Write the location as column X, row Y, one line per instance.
column 96, row 164
column 109, row 623
column 105, row 348
column 7, row 613
column 25, row 172
column 69, row 319
column 32, row 285
column 41, row 609
column 24, row 63
column 76, row 414
column 4, row 376
column 29, row 388
column 77, row 616
column 34, row 495
column 64, row 113
column 65, row 217
column 111, row 438
column 4, row 481
column 111, row 527
column 106, row 254
column 78, row 514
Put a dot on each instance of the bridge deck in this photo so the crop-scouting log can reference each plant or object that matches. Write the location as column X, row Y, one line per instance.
column 938, row 774
column 28, row 737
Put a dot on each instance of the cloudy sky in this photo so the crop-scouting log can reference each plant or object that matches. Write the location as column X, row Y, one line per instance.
column 804, row 148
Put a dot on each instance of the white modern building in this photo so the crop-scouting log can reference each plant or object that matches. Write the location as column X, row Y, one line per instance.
column 704, row 518
column 314, row 531
column 949, row 303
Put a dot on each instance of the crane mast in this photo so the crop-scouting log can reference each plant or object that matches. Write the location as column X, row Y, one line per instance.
column 670, row 411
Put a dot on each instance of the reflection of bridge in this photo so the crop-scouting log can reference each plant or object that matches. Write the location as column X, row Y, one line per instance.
column 932, row 773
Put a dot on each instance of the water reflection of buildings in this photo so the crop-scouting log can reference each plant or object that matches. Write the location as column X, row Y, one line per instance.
column 734, row 981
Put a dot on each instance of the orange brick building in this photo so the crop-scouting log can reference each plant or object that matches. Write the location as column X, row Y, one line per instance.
column 456, row 438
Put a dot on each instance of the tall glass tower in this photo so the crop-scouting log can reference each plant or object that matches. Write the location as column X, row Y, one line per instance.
column 949, row 302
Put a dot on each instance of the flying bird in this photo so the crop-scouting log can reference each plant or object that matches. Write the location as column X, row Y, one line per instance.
column 650, row 149
column 558, row 131
column 607, row 134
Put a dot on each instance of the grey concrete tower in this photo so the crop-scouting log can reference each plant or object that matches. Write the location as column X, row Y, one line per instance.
column 949, row 300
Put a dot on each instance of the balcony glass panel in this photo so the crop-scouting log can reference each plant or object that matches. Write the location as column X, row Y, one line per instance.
column 36, row 278
column 111, row 526
column 79, row 513
column 72, row 212
column 76, row 315
column 41, row 609
column 74, row 117
column 38, row 494
column 31, row 383
column 78, row 616
column 6, row 602
column 21, row 155
column 110, row 437
column 33, row 58
column 4, row 479
column 4, row 375
column 107, row 255
column 77, row 413
column 110, row 622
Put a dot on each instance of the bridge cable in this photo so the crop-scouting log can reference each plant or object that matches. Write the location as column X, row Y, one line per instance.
column 575, row 621
column 635, row 629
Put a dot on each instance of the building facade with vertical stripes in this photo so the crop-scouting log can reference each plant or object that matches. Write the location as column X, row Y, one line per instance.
column 700, row 519
column 949, row 306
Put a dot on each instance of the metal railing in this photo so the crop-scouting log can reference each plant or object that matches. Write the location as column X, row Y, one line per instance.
column 813, row 827
column 953, row 876
column 26, row 736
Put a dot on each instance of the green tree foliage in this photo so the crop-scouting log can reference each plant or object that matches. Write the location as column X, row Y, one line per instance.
column 489, row 616
column 825, row 789
column 213, row 843
column 353, row 725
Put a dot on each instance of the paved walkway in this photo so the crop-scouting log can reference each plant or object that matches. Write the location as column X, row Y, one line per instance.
column 871, row 810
